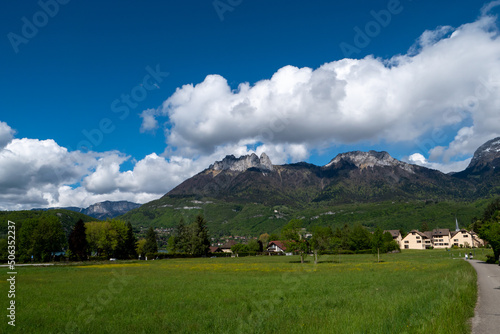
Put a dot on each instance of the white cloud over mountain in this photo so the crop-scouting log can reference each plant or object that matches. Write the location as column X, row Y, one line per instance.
column 40, row 173
column 419, row 159
column 444, row 95
column 446, row 83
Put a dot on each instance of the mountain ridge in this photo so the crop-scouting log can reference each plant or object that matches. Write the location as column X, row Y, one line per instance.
column 349, row 171
column 243, row 194
column 100, row 210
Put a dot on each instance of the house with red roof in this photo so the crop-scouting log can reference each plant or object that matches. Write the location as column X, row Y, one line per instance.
column 215, row 249
column 276, row 247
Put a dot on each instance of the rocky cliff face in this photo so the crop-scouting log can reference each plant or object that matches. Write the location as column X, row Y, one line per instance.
column 352, row 176
column 243, row 163
column 484, row 169
column 371, row 159
column 108, row 209
column 103, row 210
column 487, row 154
column 244, row 192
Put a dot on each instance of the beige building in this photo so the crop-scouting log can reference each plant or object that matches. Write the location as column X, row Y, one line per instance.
column 440, row 238
column 464, row 238
column 226, row 248
column 415, row 240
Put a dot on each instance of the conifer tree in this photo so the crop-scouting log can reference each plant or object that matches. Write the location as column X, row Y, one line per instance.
column 200, row 242
column 77, row 241
column 151, row 246
column 130, row 242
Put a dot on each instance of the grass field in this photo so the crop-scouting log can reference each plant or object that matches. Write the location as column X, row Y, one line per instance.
column 411, row 292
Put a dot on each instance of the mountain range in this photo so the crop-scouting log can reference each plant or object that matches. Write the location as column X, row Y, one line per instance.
column 353, row 176
column 251, row 194
column 103, row 210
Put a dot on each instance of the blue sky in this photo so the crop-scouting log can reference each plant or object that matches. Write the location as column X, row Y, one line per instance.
column 91, row 86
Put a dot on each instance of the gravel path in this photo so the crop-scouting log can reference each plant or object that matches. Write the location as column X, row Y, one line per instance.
column 487, row 317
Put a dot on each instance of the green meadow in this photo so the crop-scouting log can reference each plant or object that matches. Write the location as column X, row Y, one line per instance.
column 412, row 292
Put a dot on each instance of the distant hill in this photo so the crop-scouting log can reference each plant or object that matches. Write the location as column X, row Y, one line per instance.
column 251, row 195
column 67, row 218
column 103, row 210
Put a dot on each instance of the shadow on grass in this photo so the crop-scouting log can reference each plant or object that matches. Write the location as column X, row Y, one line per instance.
column 333, row 261
column 299, row 261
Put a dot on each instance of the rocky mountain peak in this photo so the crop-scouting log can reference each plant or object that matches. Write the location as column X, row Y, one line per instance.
column 486, row 153
column 109, row 209
column 230, row 162
column 102, row 210
column 363, row 160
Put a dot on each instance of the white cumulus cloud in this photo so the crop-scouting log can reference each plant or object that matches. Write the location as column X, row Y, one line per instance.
column 6, row 134
column 447, row 81
column 443, row 96
column 456, row 166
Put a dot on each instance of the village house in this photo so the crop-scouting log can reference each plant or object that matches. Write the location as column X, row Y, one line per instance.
column 276, row 247
column 464, row 238
column 215, row 249
column 226, row 248
column 477, row 241
column 415, row 240
column 441, row 239
column 396, row 236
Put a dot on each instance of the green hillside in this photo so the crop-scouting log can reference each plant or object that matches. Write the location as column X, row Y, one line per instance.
column 248, row 195
column 226, row 218
column 66, row 217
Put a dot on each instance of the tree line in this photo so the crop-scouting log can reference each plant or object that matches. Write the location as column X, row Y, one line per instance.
column 324, row 240
column 327, row 240
column 488, row 228
column 43, row 239
column 192, row 239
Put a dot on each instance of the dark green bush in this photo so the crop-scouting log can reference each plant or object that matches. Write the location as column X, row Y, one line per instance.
column 490, row 258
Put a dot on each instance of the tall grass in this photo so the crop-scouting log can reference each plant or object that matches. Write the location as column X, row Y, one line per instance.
column 412, row 292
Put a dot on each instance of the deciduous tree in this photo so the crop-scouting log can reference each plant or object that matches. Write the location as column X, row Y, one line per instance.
column 107, row 238
column 488, row 227
column 255, row 246
column 264, row 238
column 291, row 235
column 41, row 237
column 360, row 238
column 321, row 240
column 140, row 247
